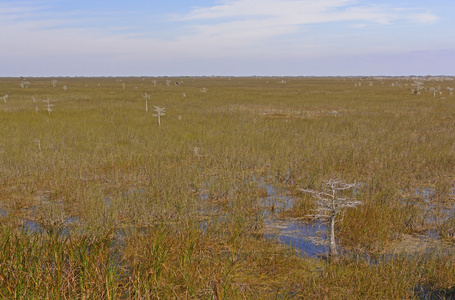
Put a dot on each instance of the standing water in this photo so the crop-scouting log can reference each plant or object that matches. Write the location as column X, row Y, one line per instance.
column 308, row 239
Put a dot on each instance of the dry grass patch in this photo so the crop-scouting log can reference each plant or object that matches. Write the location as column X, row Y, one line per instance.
column 270, row 112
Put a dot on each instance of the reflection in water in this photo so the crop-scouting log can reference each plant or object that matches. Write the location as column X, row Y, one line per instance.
column 33, row 227
column 308, row 238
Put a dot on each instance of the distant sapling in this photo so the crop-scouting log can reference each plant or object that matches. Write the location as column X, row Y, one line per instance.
column 37, row 141
column 159, row 113
column 147, row 97
column 48, row 106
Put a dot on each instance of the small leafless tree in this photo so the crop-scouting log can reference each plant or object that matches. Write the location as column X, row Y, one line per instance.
column 434, row 90
column 330, row 203
column 159, row 113
column 65, row 88
column 146, row 97
column 37, row 141
column 5, row 97
column 54, row 83
column 48, row 106
column 24, row 84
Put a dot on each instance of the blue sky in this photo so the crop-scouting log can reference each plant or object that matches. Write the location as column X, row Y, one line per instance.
column 227, row 37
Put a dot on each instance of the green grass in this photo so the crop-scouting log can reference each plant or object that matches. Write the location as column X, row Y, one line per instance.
column 148, row 218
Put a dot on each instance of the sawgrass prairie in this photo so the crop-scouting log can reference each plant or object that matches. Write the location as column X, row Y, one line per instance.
column 100, row 200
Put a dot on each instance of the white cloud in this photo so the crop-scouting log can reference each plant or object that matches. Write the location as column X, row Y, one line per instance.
column 423, row 18
column 241, row 24
column 252, row 8
column 303, row 12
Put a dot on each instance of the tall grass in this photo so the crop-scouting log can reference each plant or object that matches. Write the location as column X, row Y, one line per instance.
column 128, row 210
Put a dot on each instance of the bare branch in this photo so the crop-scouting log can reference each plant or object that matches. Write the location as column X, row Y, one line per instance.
column 330, row 203
column 160, row 111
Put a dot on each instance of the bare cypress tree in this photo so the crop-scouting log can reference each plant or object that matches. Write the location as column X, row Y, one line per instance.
column 331, row 202
column 159, row 112
column 48, row 106
column 147, row 97
column 434, row 90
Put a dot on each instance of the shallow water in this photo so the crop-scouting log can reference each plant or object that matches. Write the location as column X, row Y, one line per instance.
column 436, row 213
column 425, row 193
column 308, row 239
column 34, row 227
column 3, row 213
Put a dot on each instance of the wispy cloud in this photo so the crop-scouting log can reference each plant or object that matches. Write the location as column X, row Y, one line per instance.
column 233, row 24
column 272, row 8
column 306, row 11
column 268, row 18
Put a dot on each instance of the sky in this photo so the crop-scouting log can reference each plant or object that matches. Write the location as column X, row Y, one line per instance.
column 227, row 38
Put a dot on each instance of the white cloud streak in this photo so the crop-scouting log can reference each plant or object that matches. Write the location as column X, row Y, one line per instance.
column 252, row 8
column 268, row 18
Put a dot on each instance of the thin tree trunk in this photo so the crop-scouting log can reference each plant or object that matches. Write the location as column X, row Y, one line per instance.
column 333, row 246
